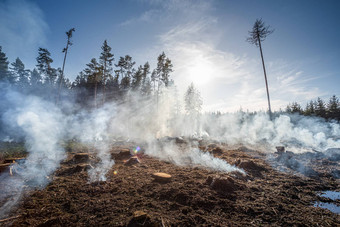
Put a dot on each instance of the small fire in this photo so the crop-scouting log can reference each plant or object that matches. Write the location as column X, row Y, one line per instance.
column 115, row 172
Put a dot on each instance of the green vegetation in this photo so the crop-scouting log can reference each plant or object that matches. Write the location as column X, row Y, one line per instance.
column 97, row 84
column 329, row 110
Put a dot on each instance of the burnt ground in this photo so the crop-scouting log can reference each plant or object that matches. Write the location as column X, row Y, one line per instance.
column 194, row 196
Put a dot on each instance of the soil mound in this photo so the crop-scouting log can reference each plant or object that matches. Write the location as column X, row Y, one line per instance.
column 194, row 197
column 74, row 169
column 224, row 185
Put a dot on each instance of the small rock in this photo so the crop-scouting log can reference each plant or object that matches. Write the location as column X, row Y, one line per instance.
column 132, row 161
column 162, row 177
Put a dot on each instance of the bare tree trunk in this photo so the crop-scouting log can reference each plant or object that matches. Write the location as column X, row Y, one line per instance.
column 62, row 73
column 95, row 94
column 104, row 81
column 265, row 77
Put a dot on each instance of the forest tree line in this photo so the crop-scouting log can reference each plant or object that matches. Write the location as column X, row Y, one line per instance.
column 320, row 108
column 101, row 81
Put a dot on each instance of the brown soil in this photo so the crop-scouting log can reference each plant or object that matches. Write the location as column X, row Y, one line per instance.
column 194, row 196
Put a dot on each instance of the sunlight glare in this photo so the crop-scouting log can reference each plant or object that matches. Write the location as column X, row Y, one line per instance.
column 200, row 71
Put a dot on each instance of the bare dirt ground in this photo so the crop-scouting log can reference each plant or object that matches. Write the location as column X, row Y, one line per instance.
column 193, row 197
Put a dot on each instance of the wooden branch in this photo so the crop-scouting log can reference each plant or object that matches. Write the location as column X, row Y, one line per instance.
column 8, row 219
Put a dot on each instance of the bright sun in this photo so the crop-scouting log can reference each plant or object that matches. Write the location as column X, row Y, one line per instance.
column 200, row 71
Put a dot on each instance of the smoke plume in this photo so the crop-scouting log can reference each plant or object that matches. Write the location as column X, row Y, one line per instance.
column 44, row 126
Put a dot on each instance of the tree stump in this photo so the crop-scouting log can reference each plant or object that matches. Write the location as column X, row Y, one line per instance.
column 162, row 177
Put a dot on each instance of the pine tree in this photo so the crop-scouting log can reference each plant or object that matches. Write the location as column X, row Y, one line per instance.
column 4, row 72
column 333, row 108
column 193, row 101
column 94, row 74
column 161, row 74
column 113, row 87
column 35, row 78
column 106, row 58
column 310, row 109
column 137, row 78
column 320, row 108
column 80, row 81
column 257, row 35
column 22, row 74
column 44, row 61
column 163, row 70
column 146, row 83
column 288, row 108
column 296, row 108
column 193, row 106
column 146, row 88
column 62, row 81
column 126, row 70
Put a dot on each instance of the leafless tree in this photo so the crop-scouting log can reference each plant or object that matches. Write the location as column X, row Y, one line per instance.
column 69, row 43
column 257, row 35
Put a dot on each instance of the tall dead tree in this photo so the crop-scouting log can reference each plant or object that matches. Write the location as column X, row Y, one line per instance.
column 69, row 43
column 257, row 35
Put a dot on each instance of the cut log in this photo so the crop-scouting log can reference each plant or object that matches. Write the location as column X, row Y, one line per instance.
column 123, row 154
column 162, row 177
column 12, row 160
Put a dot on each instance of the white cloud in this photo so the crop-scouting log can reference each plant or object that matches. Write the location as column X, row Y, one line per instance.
column 192, row 38
column 22, row 29
column 171, row 10
column 145, row 17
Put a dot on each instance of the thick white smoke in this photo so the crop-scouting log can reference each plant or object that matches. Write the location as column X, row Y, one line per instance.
column 42, row 126
column 188, row 155
column 45, row 126
column 297, row 133
column 91, row 128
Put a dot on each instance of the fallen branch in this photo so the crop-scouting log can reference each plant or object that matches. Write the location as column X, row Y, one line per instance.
column 8, row 219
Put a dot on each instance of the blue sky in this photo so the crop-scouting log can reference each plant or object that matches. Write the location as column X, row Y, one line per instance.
column 204, row 39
